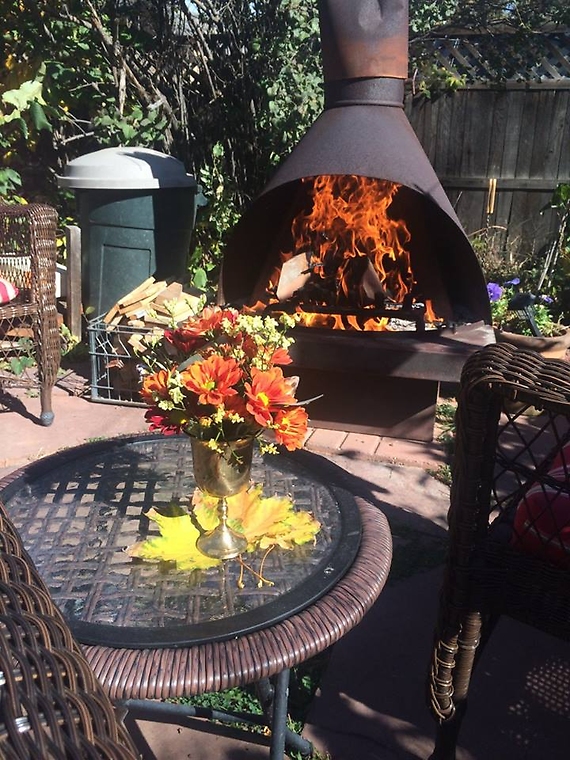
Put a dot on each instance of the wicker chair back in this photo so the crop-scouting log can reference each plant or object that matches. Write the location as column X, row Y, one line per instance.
column 29, row 324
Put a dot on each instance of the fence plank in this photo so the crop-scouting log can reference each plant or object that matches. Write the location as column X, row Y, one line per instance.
column 527, row 135
column 564, row 161
column 540, row 145
column 518, row 136
column 499, row 129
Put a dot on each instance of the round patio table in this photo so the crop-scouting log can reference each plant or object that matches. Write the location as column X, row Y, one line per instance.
column 151, row 632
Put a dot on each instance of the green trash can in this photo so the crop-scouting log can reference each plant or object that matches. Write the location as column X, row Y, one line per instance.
column 137, row 209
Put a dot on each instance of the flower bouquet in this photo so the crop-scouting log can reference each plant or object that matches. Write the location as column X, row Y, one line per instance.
column 218, row 378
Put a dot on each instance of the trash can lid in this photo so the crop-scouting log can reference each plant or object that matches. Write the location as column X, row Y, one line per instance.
column 125, row 168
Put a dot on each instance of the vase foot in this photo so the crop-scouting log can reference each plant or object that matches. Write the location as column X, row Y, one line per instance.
column 222, row 543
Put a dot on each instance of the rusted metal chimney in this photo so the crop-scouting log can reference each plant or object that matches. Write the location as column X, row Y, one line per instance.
column 364, row 132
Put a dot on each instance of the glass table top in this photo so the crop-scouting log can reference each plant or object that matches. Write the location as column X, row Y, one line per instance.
column 78, row 510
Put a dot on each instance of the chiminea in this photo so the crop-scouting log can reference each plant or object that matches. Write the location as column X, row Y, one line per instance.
column 356, row 235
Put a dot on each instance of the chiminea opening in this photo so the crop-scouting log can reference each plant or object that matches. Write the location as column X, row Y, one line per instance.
column 356, row 235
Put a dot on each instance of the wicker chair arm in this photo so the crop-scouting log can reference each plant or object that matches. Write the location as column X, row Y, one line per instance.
column 51, row 704
column 493, row 379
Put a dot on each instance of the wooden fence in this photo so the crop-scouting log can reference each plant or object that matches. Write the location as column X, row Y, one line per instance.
column 500, row 151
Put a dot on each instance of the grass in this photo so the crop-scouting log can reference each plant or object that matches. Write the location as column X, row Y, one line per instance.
column 445, row 424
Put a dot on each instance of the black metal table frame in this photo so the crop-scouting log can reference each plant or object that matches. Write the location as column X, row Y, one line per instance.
column 272, row 694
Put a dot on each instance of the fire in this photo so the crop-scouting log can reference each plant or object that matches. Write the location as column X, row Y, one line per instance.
column 347, row 257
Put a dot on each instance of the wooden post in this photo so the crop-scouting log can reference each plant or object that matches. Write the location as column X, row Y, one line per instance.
column 73, row 245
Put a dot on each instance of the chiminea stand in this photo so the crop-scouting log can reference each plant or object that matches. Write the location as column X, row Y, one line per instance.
column 390, row 383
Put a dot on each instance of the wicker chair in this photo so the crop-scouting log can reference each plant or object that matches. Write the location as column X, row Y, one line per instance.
column 51, row 705
column 507, row 540
column 28, row 261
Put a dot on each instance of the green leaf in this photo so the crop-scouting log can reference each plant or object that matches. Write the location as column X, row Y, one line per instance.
column 128, row 131
column 20, row 363
column 200, row 278
column 10, row 175
column 24, row 95
column 38, row 116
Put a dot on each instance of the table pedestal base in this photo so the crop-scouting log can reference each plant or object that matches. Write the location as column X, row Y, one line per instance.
column 272, row 694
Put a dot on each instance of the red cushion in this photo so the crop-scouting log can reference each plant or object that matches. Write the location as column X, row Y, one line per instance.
column 7, row 291
column 542, row 518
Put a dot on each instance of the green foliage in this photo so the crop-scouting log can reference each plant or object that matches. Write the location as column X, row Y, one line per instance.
column 561, row 197
column 443, row 474
column 555, row 270
column 509, row 37
column 521, row 16
column 544, row 274
column 214, row 222
column 304, row 681
column 19, row 364
column 69, row 343
column 10, row 182
column 22, row 360
column 445, row 422
column 138, row 127
column 426, row 16
column 434, row 80
column 230, row 700
column 22, row 113
column 226, row 86
column 24, row 352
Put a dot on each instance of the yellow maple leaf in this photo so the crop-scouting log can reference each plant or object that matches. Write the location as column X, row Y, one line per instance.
column 297, row 528
column 258, row 515
column 177, row 542
column 248, row 512
column 265, row 522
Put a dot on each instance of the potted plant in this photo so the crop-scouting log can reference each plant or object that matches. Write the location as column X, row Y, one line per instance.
column 525, row 319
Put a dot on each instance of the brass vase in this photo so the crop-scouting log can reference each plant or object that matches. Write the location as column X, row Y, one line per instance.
column 221, row 474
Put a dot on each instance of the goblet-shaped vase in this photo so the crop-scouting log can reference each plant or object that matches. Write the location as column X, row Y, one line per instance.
column 222, row 473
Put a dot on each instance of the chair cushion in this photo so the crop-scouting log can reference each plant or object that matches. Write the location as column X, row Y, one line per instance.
column 542, row 517
column 7, row 291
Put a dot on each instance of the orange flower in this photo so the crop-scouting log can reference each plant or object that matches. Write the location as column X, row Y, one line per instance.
column 212, row 379
column 185, row 341
column 291, row 427
column 281, row 356
column 266, row 393
column 167, row 423
column 236, row 405
column 209, row 320
column 155, row 387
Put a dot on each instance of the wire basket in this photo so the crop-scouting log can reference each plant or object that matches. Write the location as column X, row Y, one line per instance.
column 115, row 378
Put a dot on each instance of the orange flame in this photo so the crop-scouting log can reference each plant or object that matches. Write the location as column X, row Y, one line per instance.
column 349, row 220
column 354, row 255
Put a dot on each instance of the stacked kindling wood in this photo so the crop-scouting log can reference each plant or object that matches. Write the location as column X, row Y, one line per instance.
column 152, row 304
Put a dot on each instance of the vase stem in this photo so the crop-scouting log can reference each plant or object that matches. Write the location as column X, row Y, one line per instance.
column 222, row 542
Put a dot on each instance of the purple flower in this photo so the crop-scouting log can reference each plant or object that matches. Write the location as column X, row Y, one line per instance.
column 514, row 281
column 546, row 299
column 495, row 291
